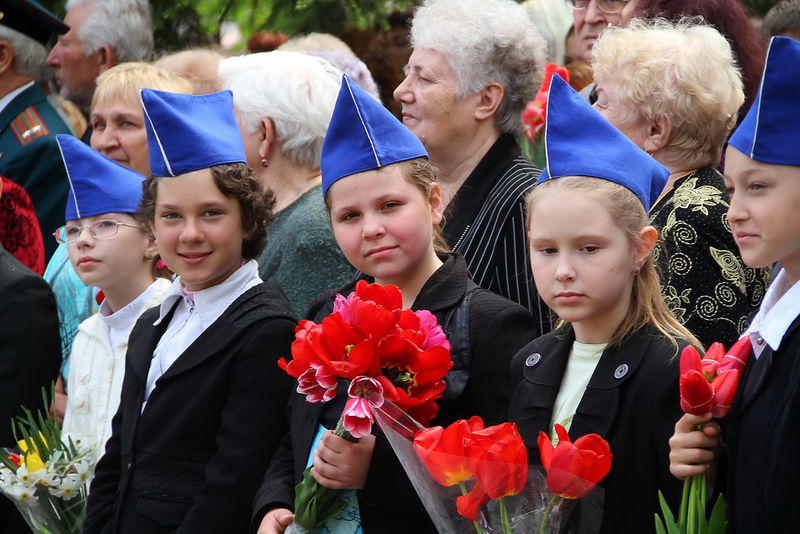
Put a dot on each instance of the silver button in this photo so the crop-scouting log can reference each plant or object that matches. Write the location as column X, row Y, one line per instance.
column 759, row 340
column 533, row 359
column 621, row 371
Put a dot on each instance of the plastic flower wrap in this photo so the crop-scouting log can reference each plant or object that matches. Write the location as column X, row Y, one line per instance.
column 475, row 478
column 47, row 478
column 707, row 384
column 385, row 353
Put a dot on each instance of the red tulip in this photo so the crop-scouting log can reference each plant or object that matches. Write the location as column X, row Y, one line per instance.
column 710, row 384
column 468, row 505
column 737, row 357
column 697, row 394
column 442, row 450
column 574, row 468
column 499, row 460
column 725, row 385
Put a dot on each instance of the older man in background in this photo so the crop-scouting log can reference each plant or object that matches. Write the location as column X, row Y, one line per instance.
column 102, row 34
column 474, row 67
column 29, row 155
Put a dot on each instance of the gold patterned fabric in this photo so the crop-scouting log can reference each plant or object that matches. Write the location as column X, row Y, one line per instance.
column 703, row 279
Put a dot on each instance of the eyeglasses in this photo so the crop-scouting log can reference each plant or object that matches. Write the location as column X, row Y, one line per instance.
column 101, row 229
column 606, row 6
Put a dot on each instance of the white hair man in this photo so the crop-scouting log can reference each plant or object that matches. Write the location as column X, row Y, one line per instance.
column 102, row 34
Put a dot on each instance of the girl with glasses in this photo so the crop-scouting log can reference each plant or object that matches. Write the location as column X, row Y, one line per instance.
column 108, row 249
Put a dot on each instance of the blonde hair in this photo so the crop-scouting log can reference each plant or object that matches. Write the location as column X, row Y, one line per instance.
column 685, row 71
column 422, row 174
column 647, row 305
column 198, row 65
column 122, row 83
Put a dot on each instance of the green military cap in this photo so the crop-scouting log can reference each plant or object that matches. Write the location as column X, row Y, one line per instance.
column 31, row 18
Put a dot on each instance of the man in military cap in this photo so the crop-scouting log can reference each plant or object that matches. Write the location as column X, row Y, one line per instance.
column 29, row 154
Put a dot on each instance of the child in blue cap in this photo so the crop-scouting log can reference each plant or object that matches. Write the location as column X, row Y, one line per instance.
column 611, row 367
column 762, row 173
column 386, row 208
column 202, row 405
column 109, row 249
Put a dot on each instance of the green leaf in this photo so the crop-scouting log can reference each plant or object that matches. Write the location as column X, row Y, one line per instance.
column 718, row 523
column 669, row 518
column 313, row 503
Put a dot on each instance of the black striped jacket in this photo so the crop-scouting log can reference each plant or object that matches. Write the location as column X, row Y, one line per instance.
column 486, row 224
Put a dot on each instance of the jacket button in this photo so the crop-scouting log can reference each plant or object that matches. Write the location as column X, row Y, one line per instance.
column 533, row 359
column 621, row 371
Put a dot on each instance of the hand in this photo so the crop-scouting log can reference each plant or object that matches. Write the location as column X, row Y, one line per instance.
column 342, row 464
column 275, row 521
column 694, row 452
column 59, row 405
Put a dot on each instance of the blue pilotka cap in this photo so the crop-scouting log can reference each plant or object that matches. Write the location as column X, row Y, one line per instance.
column 97, row 184
column 363, row 136
column 187, row 133
column 595, row 148
column 770, row 132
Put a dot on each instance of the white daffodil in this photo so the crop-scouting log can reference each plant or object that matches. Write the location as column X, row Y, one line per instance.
column 21, row 493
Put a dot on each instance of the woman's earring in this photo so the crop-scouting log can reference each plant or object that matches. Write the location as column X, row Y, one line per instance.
column 264, row 162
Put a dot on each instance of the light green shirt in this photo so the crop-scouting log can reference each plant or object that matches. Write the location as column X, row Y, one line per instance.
column 582, row 361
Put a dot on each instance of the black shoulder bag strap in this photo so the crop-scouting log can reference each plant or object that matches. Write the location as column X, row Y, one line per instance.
column 456, row 328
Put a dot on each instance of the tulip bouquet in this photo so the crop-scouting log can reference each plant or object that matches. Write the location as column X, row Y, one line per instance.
column 384, row 353
column 468, row 473
column 47, row 478
column 707, row 384
column 535, row 114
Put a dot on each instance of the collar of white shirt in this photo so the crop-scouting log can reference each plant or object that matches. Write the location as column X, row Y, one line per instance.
column 211, row 302
column 6, row 100
column 779, row 309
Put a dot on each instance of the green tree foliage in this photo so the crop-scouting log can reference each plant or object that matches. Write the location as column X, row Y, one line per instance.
column 759, row 8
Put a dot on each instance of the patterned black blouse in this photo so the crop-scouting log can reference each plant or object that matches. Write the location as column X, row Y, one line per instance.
column 704, row 282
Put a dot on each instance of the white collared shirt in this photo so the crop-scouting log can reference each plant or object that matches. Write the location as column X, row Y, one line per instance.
column 6, row 100
column 121, row 321
column 779, row 309
column 192, row 318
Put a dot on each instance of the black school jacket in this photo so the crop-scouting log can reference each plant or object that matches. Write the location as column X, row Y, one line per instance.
column 388, row 502
column 192, row 461
column 632, row 401
column 763, row 433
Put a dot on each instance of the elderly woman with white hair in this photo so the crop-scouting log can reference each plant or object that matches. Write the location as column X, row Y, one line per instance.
column 674, row 89
column 283, row 103
column 474, row 67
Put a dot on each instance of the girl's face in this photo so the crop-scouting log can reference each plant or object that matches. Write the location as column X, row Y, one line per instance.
column 112, row 262
column 198, row 229
column 384, row 225
column 763, row 211
column 118, row 132
column 583, row 263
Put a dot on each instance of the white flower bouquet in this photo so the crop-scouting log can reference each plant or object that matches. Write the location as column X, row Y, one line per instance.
column 47, row 478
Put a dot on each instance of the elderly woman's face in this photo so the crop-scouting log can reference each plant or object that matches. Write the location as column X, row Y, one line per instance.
column 118, row 132
column 611, row 105
column 430, row 107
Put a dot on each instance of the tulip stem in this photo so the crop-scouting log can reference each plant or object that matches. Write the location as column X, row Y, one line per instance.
column 464, row 491
column 504, row 516
column 546, row 515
